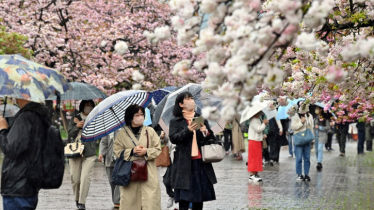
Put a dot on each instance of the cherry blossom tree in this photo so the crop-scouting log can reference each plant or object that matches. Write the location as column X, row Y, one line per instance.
column 101, row 42
column 320, row 50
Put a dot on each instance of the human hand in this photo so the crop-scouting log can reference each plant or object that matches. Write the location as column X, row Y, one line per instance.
column 316, row 126
column 140, row 150
column 3, row 123
column 303, row 119
column 162, row 134
column 101, row 156
column 265, row 121
column 80, row 124
column 192, row 127
column 265, row 136
column 280, row 133
column 203, row 128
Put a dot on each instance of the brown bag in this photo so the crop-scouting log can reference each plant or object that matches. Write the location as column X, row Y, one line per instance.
column 264, row 144
column 139, row 170
column 163, row 159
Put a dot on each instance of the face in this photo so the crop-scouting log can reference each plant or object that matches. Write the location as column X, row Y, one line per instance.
column 138, row 118
column 88, row 108
column 318, row 110
column 188, row 104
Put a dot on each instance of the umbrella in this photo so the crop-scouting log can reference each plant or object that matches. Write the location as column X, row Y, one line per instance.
column 282, row 110
column 10, row 110
column 202, row 99
column 25, row 79
column 255, row 108
column 158, row 111
column 82, row 91
column 158, row 95
column 147, row 117
column 109, row 115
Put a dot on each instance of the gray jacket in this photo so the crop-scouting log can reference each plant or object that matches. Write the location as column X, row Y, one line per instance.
column 322, row 131
column 106, row 148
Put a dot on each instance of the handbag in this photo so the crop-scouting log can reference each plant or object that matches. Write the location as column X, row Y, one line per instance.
column 264, row 144
column 163, row 159
column 303, row 138
column 122, row 171
column 75, row 149
column 212, row 152
column 139, row 171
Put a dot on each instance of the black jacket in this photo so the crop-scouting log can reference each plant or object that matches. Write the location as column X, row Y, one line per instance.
column 22, row 142
column 182, row 138
column 342, row 128
column 89, row 147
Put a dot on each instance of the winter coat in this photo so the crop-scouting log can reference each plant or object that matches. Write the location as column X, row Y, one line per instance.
column 146, row 194
column 342, row 128
column 368, row 136
column 182, row 138
column 237, row 136
column 106, row 148
column 360, row 127
column 322, row 130
column 89, row 147
column 22, row 142
column 297, row 126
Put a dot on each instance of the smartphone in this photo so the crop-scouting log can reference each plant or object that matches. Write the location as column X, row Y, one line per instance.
column 198, row 121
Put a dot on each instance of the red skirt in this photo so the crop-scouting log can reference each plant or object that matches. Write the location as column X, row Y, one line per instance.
column 254, row 156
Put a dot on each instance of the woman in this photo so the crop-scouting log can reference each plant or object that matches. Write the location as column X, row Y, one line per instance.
column 368, row 136
column 107, row 156
column 237, row 139
column 132, row 140
column 192, row 179
column 255, row 138
column 227, row 133
column 300, row 122
column 81, row 169
column 322, row 128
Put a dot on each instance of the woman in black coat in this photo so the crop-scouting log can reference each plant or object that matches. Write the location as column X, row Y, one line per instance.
column 192, row 179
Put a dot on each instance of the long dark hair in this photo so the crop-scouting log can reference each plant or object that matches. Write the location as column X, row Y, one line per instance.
column 177, row 110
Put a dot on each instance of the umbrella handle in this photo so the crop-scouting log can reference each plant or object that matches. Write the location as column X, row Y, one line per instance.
column 6, row 99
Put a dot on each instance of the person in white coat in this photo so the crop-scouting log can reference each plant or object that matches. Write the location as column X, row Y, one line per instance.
column 300, row 122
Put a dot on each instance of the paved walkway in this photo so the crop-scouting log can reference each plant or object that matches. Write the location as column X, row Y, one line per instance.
column 344, row 183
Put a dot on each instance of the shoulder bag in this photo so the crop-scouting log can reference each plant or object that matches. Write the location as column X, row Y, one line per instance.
column 163, row 159
column 139, row 171
column 212, row 152
column 303, row 138
column 122, row 171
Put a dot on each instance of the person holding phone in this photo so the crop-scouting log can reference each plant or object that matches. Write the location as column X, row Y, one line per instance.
column 192, row 179
column 81, row 169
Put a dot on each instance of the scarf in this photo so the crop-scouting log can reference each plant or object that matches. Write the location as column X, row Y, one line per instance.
column 189, row 116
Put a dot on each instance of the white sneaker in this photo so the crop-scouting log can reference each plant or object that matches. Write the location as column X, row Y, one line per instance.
column 170, row 202
column 255, row 178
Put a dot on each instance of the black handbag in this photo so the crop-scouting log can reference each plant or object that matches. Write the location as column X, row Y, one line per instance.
column 122, row 171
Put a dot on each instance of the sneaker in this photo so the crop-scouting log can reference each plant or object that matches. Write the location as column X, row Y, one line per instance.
column 81, row 206
column 290, row 156
column 300, row 178
column 170, row 202
column 319, row 166
column 307, row 178
column 227, row 152
column 255, row 178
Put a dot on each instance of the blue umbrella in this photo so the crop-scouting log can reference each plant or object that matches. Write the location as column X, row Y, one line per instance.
column 109, row 115
column 282, row 110
column 147, row 120
column 158, row 95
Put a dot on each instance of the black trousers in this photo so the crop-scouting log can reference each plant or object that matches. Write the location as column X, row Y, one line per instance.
column 228, row 139
column 274, row 147
column 329, row 140
column 167, row 181
column 183, row 205
column 369, row 145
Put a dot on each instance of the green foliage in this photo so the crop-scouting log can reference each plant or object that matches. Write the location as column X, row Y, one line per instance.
column 13, row 43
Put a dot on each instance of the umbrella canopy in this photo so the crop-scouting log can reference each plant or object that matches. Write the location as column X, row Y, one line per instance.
column 147, row 117
column 109, row 115
column 158, row 95
column 158, row 111
column 25, row 79
column 282, row 110
column 10, row 110
column 82, row 91
column 252, row 110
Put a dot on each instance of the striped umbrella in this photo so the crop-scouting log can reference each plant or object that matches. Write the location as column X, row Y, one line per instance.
column 109, row 115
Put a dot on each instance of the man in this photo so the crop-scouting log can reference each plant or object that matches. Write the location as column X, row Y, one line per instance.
column 341, row 136
column 21, row 142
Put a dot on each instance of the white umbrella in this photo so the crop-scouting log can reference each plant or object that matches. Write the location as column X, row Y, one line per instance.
column 255, row 108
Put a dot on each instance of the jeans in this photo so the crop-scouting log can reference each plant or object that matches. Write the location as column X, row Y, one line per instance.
column 319, row 148
column 361, row 141
column 20, row 203
column 228, row 139
column 341, row 136
column 184, row 205
column 302, row 154
column 290, row 149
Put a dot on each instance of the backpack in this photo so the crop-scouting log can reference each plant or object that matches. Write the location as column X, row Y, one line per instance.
column 48, row 170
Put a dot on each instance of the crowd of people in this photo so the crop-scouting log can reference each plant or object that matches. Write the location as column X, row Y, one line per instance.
column 189, row 181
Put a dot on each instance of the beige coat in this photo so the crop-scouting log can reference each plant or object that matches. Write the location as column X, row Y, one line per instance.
column 140, row 195
column 237, row 136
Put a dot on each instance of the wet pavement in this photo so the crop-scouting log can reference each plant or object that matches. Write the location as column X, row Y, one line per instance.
column 344, row 183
